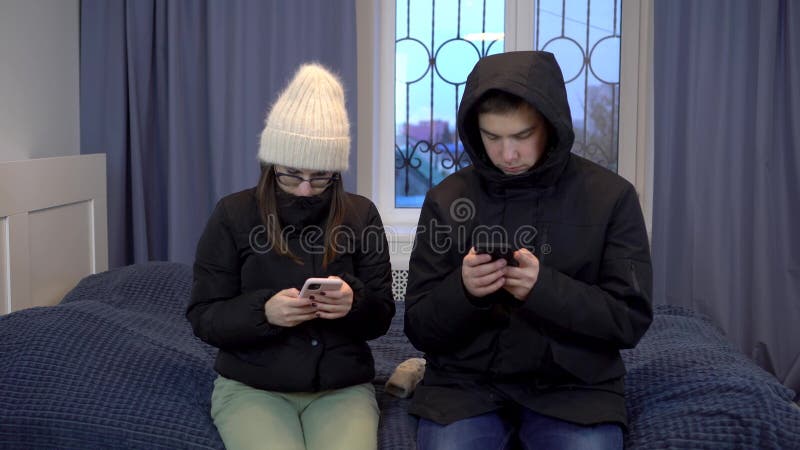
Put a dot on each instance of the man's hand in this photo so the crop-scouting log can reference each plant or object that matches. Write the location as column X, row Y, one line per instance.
column 334, row 304
column 520, row 280
column 287, row 309
column 481, row 275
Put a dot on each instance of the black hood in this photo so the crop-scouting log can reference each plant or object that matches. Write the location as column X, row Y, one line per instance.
column 536, row 77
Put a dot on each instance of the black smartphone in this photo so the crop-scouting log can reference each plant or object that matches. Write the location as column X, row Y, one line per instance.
column 497, row 250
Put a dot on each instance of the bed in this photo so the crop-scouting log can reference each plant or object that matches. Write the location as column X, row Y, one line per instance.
column 115, row 365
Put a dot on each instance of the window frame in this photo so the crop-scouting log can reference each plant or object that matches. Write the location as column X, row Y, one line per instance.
column 376, row 128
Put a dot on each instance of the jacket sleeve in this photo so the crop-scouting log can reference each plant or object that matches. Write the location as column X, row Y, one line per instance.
column 439, row 316
column 617, row 309
column 221, row 315
column 373, row 303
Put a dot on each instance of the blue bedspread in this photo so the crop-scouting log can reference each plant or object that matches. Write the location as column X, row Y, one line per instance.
column 116, row 365
column 687, row 387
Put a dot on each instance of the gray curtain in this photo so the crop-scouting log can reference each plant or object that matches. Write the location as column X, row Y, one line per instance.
column 726, row 221
column 175, row 93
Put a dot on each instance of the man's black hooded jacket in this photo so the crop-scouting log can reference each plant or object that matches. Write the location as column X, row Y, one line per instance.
column 557, row 352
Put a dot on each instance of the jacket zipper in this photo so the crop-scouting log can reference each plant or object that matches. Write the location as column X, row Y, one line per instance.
column 542, row 244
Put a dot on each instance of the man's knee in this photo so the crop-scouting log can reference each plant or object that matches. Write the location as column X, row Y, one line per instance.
column 542, row 432
column 485, row 432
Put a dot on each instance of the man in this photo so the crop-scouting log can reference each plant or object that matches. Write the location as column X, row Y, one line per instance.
column 525, row 349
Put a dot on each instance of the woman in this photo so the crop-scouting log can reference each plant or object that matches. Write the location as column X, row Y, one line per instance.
column 295, row 372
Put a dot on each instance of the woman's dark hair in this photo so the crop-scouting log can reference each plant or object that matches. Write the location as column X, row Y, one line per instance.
column 267, row 207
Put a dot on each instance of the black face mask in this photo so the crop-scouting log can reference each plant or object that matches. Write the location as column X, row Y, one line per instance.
column 303, row 211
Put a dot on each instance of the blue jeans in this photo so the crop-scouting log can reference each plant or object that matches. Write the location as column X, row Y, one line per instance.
column 493, row 431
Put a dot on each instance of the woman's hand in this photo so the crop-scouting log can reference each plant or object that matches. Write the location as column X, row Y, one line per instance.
column 334, row 304
column 288, row 309
column 481, row 275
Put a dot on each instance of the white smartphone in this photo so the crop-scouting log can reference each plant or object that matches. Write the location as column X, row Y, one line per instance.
column 316, row 285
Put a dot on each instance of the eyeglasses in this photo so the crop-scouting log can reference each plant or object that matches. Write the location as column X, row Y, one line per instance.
column 292, row 181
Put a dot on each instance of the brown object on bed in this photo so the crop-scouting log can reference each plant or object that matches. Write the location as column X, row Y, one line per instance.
column 405, row 377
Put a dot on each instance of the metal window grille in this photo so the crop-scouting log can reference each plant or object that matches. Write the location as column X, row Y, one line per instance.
column 439, row 41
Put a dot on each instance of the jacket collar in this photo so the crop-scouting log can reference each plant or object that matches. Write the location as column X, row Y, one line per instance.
column 301, row 212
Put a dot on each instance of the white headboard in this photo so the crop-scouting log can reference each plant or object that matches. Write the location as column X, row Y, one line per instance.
column 53, row 228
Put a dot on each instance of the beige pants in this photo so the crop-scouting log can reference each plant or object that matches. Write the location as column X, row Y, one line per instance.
column 250, row 418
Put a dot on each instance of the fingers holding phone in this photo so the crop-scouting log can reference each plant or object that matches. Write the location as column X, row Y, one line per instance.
column 332, row 296
column 288, row 309
column 520, row 280
column 481, row 274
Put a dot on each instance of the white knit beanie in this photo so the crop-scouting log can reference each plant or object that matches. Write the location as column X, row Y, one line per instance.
column 307, row 127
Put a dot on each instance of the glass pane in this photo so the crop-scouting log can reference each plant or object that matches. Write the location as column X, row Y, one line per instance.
column 437, row 44
column 585, row 37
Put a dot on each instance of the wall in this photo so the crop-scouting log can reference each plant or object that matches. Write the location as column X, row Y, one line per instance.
column 39, row 59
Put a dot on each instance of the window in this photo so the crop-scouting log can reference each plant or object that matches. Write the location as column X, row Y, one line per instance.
column 412, row 144
column 437, row 44
column 585, row 37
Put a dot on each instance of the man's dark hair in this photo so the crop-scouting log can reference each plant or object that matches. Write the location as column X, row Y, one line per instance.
column 499, row 102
